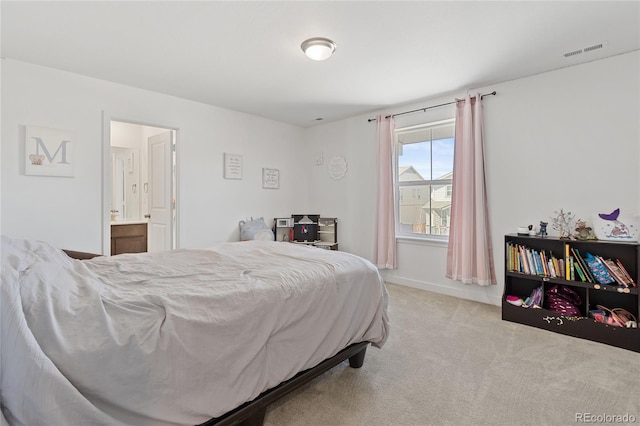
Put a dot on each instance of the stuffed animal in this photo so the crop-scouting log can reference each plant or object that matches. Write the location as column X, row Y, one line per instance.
column 255, row 229
column 584, row 232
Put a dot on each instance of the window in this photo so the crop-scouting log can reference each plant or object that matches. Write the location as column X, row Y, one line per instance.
column 424, row 184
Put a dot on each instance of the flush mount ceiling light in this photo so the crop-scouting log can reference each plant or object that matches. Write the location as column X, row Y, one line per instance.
column 318, row 48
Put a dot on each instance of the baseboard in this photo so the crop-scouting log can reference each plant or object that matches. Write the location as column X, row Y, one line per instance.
column 463, row 291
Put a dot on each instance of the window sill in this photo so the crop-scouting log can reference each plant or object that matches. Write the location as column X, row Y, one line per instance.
column 435, row 242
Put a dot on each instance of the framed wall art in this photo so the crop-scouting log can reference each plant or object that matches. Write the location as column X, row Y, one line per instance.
column 48, row 152
column 232, row 166
column 270, row 178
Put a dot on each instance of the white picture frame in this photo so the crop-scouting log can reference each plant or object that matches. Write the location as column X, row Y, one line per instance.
column 270, row 178
column 232, row 166
column 48, row 152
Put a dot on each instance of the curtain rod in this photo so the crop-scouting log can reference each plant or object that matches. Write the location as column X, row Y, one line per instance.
column 429, row 107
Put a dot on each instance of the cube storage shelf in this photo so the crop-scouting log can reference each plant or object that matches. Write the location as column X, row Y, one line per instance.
column 521, row 285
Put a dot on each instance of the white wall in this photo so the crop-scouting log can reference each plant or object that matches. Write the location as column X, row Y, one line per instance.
column 68, row 212
column 563, row 139
column 351, row 198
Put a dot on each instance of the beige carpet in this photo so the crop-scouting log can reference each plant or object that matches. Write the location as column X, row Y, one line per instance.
column 450, row 361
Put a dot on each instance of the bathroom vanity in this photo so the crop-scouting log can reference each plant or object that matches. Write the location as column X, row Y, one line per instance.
column 128, row 237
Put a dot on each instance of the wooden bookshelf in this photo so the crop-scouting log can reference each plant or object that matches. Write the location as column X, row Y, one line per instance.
column 613, row 295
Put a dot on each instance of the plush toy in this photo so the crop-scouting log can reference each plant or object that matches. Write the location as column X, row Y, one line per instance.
column 584, row 232
column 255, row 229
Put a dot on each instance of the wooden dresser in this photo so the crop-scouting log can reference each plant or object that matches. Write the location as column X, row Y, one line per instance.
column 128, row 238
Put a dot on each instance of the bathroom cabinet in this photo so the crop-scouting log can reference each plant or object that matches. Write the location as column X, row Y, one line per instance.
column 128, row 238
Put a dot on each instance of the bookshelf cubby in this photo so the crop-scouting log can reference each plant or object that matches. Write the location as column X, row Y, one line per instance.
column 521, row 284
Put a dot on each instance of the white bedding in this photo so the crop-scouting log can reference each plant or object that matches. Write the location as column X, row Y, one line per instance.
column 174, row 337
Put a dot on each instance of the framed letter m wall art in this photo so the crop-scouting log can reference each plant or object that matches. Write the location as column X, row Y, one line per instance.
column 48, row 152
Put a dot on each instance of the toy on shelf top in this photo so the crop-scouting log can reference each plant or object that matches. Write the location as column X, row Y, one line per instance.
column 562, row 223
column 584, row 232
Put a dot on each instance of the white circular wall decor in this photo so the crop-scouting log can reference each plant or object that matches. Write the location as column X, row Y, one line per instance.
column 337, row 167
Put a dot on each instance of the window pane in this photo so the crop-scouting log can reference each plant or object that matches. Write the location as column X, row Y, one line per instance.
column 425, row 209
column 439, row 211
column 442, row 158
column 424, row 180
column 414, row 162
column 412, row 211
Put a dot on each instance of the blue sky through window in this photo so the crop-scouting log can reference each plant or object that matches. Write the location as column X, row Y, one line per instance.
column 418, row 155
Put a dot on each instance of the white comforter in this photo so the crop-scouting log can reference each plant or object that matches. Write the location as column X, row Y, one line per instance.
column 175, row 337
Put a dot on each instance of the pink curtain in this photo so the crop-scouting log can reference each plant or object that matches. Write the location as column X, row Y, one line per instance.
column 385, row 244
column 470, row 255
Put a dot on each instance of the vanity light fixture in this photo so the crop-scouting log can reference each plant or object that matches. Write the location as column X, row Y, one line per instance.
column 318, row 48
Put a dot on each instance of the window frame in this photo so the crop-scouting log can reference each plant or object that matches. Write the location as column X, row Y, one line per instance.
column 446, row 183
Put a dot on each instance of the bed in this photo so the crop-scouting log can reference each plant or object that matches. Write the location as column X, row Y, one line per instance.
column 184, row 337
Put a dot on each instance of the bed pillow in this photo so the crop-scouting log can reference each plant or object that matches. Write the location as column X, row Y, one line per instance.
column 255, row 229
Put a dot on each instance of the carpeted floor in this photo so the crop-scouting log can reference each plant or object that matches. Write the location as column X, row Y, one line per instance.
column 451, row 361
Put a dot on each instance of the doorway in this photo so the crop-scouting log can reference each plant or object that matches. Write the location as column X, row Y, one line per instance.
column 141, row 187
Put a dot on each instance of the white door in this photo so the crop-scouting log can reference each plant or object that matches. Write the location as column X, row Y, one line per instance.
column 160, row 228
column 118, row 203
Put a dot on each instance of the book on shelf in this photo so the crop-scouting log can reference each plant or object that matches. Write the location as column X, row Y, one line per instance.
column 556, row 267
column 578, row 270
column 532, row 266
column 551, row 268
column 615, row 272
column 571, row 266
column 560, row 272
column 532, row 262
column 599, row 271
column 630, row 280
column 567, row 263
column 538, row 261
column 583, row 265
column 572, row 273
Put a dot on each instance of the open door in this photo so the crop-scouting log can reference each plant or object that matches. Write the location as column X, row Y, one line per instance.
column 161, row 201
column 139, row 171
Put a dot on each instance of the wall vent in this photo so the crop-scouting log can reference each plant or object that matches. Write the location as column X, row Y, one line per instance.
column 574, row 53
column 594, row 47
column 585, row 49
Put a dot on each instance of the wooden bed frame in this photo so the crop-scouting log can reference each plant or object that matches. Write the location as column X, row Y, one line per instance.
column 252, row 413
column 80, row 255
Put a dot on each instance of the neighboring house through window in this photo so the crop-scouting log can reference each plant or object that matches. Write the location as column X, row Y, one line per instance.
column 424, row 156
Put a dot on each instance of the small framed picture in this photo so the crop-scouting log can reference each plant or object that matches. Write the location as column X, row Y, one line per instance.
column 232, row 166
column 270, row 178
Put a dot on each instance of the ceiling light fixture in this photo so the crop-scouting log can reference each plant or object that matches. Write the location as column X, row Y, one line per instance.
column 318, row 48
